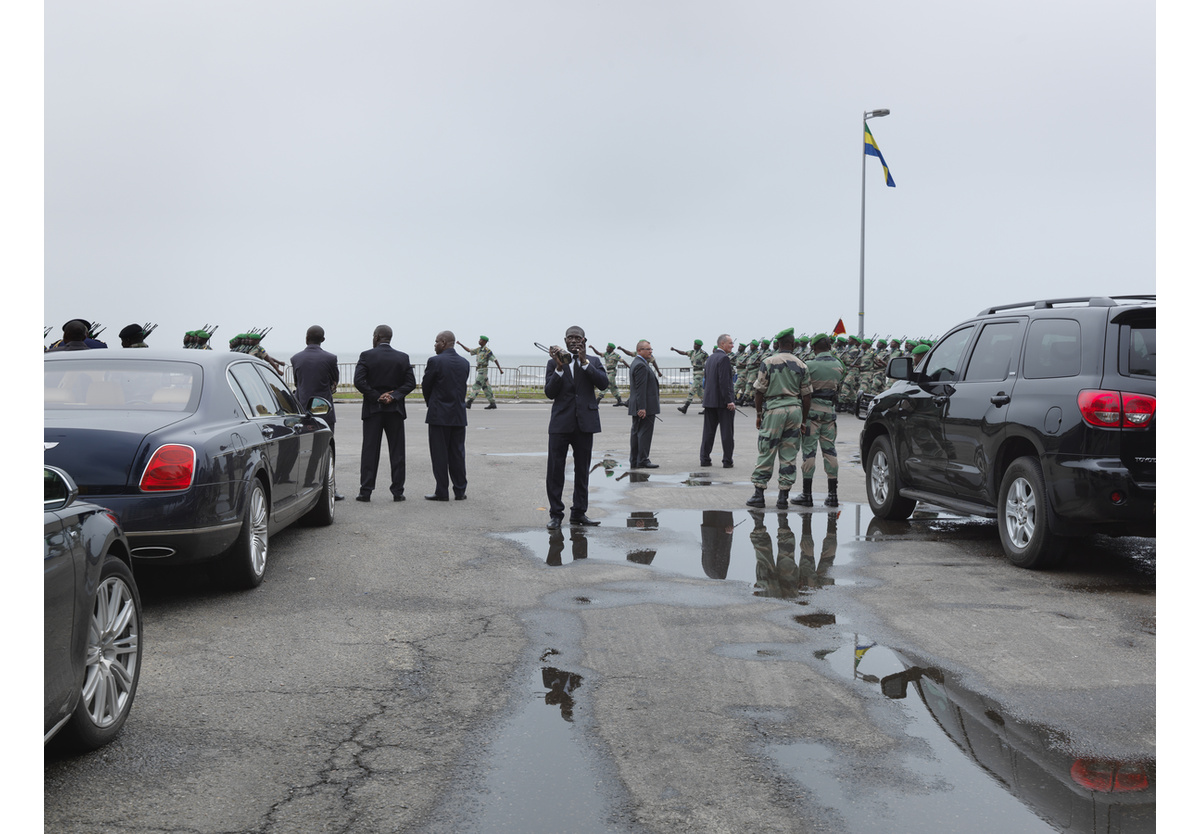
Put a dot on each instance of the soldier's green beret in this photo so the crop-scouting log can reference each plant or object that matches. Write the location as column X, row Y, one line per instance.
column 741, row 344
column 881, row 343
column 920, row 350
column 483, row 338
column 611, row 345
column 786, row 333
column 698, row 342
column 842, row 339
column 853, row 339
column 754, row 343
column 802, row 339
column 820, row 336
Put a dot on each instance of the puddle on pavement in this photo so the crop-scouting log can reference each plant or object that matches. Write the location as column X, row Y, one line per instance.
column 1025, row 778
column 781, row 554
column 537, row 775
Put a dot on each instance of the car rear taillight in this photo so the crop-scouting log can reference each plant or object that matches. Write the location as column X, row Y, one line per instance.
column 1116, row 409
column 171, row 468
column 1108, row 776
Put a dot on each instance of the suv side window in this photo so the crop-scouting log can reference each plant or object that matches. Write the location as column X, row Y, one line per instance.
column 995, row 353
column 941, row 365
column 1052, row 349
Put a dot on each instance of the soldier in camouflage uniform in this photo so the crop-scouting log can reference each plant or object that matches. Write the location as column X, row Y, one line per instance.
column 698, row 357
column 483, row 356
column 774, row 577
column 249, row 343
column 825, row 374
column 739, row 372
column 748, row 373
column 782, row 396
column 802, row 351
column 847, row 393
column 611, row 358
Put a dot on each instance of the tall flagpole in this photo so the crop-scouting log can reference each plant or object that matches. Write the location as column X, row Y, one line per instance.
column 862, row 237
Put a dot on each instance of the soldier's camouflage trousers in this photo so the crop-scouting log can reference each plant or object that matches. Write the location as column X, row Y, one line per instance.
column 779, row 435
column 697, row 389
column 481, row 384
column 822, row 430
column 612, row 386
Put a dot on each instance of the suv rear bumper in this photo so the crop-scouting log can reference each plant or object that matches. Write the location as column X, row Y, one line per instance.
column 1081, row 490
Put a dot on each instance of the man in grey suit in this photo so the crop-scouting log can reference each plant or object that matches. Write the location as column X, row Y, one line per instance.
column 384, row 376
column 316, row 374
column 442, row 387
column 718, row 403
column 643, row 406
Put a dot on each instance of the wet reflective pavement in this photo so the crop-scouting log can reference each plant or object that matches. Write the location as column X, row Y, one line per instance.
column 963, row 763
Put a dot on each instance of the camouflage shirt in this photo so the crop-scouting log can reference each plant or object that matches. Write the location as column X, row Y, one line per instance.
column 483, row 355
column 825, row 372
column 783, row 380
column 698, row 357
column 611, row 358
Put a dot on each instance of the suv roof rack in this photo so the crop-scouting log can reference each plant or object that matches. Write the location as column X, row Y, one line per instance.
column 1090, row 301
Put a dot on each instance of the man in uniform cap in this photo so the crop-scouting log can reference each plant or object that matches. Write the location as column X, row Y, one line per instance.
column 483, row 357
column 782, row 396
column 133, row 336
column 698, row 357
column 820, row 428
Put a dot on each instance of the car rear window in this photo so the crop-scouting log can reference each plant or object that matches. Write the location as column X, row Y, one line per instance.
column 1138, row 350
column 1052, row 349
column 122, row 385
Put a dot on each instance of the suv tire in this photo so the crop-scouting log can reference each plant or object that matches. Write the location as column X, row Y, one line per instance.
column 1023, row 517
column 883, row 487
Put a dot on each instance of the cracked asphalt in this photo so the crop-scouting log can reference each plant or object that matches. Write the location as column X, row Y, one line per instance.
column 377, row 680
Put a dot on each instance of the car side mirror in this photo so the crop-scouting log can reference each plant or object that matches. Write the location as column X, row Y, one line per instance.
column 60, row 489
column 319, row 406
column 901, row 368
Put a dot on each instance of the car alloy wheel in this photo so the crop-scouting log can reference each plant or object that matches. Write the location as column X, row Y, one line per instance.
column 1020, row 513
column 112, row 653
column 259, row 542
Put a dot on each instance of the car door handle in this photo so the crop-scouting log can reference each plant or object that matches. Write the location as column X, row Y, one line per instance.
column 940, row 400
column 1001, row 399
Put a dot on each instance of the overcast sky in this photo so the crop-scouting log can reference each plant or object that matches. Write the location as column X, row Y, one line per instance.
column 664, row 170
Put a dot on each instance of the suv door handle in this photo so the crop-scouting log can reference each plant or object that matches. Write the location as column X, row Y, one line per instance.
column 1001, row 399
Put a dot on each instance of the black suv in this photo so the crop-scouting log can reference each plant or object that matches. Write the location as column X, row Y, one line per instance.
column 1040, row 415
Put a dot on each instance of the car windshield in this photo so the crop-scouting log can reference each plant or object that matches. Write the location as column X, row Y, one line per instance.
column 122, row 385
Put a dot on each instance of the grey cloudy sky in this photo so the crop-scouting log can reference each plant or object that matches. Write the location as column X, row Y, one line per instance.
column 667, row 170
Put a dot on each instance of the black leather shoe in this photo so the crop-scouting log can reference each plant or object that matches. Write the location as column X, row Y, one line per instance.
column 462, row 497
column 584, row 521
column 648, row 465
column 363, row 496
column 436, row 498
column 397, row 497
column 337, row 496
column 618, row 405
column 554, row 523
column 706, row 463
column 728, row 465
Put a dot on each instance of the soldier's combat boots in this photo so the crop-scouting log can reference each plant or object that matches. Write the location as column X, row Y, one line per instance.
column 469, row 403
column 804, row 499
column 831, row 499
column 683, row 408
column 757, row 499
column 489, row 406
column 781, row 503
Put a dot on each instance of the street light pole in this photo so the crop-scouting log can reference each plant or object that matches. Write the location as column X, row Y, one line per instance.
column 862, row 238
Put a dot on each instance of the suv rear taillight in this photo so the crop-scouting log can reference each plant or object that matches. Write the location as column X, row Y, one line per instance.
column 171, row 468
column 1116, row 409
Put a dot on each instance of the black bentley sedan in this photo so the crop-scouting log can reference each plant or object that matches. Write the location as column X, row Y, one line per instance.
column 93, row 613
column 201, row 454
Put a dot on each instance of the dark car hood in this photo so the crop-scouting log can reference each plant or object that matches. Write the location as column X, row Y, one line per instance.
column 100, row 449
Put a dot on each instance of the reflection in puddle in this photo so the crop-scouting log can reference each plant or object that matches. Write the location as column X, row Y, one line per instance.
column 712, row 544
column 1026, row 778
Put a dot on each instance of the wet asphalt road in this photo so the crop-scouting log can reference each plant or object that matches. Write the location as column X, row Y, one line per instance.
column 420, row 666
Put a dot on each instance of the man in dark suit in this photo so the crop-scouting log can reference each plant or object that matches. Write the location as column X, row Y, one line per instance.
column 574, row 418
column 316, row 374
column 384, row 376
column 442, row 386
column 718, row 403
column 643, row 405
